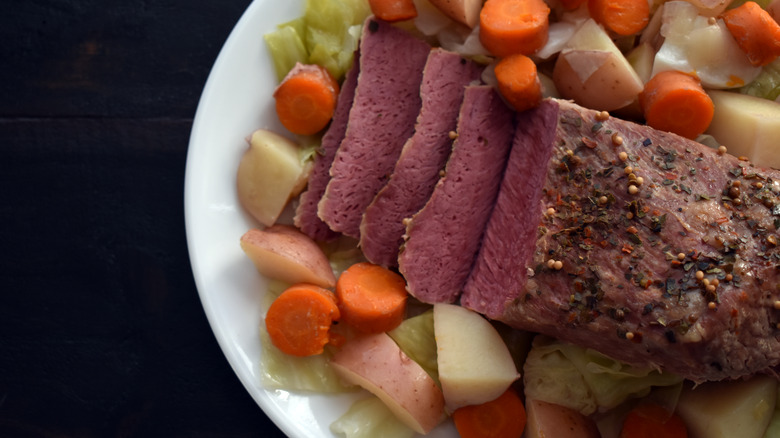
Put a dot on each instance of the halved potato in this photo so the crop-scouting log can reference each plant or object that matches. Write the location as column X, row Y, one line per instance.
column 593, row 72
column 748, row 126
column 270, row 173
column 283, row 253
column 376, row 363
column 475, row 365
column 740, row 408
column 463, row 11
column 548, row 420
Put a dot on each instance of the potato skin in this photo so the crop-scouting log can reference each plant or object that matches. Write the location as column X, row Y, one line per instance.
column 551, row 420
column 376, row 363
column 283, row 253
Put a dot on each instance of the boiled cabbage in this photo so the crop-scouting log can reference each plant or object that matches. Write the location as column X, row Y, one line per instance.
column 416, row 339
column 291, row 373
column 767, row 84
column 327, row 34
column 584, row 379
column 369, row 418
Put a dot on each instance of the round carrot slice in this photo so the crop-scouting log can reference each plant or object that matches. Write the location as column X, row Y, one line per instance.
column 300, row 318
column 371, row 298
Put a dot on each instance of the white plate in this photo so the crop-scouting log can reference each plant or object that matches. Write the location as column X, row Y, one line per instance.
column 236, row 101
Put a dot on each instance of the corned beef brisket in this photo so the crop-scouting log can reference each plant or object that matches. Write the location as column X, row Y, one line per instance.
column 386, row 104
column 643, row 245
column 442, row 239
column 306, row 213
column 654, row 250
column 423, row 156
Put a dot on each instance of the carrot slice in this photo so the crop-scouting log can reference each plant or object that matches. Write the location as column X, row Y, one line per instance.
column 507, row 27
column 371, row 298
column 306, row 99
column 299, row 319
column 393, row 10
column 676, row 102
column 518, row 82
column 624, row 17
column 650, row 420
column 756, row 32
column 503, row 417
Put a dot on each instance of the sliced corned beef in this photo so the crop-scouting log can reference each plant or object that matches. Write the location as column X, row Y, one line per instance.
column 679, row 272
column 306, row 213
column 443, row 237
column 503, row 260
column 382, row 118
column 423, row 156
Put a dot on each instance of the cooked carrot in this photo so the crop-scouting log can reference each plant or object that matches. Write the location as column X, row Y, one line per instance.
column 676, row 102
column 756, row 32
column 306, row 99
column 571, row 5
column 299, row 319
column 507, row 27
column 649, row 420
column 393, row 10
column 518, row 82
column 372, row 299
column 503, row 417
column 624, row 17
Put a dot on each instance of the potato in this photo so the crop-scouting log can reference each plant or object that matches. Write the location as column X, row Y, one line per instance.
column 748, row 126
column 729, row 409
column 283, row 253
column 270, row 173
column 591, row 71
column 475, row 365
column 463, row 11
column 548, row 420
column 377, row 364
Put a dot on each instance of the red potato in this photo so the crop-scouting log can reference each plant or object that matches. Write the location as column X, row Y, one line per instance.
column 547, row 420
column 592, row 71
column 475, row 365
column 463, row 11
column 270, row 173
column 283, row 253
column 376, row 363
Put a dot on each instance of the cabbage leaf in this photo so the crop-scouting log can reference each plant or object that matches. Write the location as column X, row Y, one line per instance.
column 416, row 339
column 326, row 34
column 767, row 84
column 369, row 418
column 290, row 373
column 584, row 379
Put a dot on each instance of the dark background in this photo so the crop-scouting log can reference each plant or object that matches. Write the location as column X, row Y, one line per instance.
column 102, row 332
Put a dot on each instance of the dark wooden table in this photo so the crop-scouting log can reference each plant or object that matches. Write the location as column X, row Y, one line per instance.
column 101, row 330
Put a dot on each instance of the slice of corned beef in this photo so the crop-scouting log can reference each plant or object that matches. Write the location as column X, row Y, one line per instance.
column 443, row 237
column 306, row 213
column 511, row 233
column 423, row 156
column 382, row 118
column 679, row 272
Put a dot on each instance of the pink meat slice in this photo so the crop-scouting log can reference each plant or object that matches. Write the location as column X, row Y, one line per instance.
column 423, row 156
column 571, row 251
column 442, row 239
column 306, row 218
column 387, row 102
